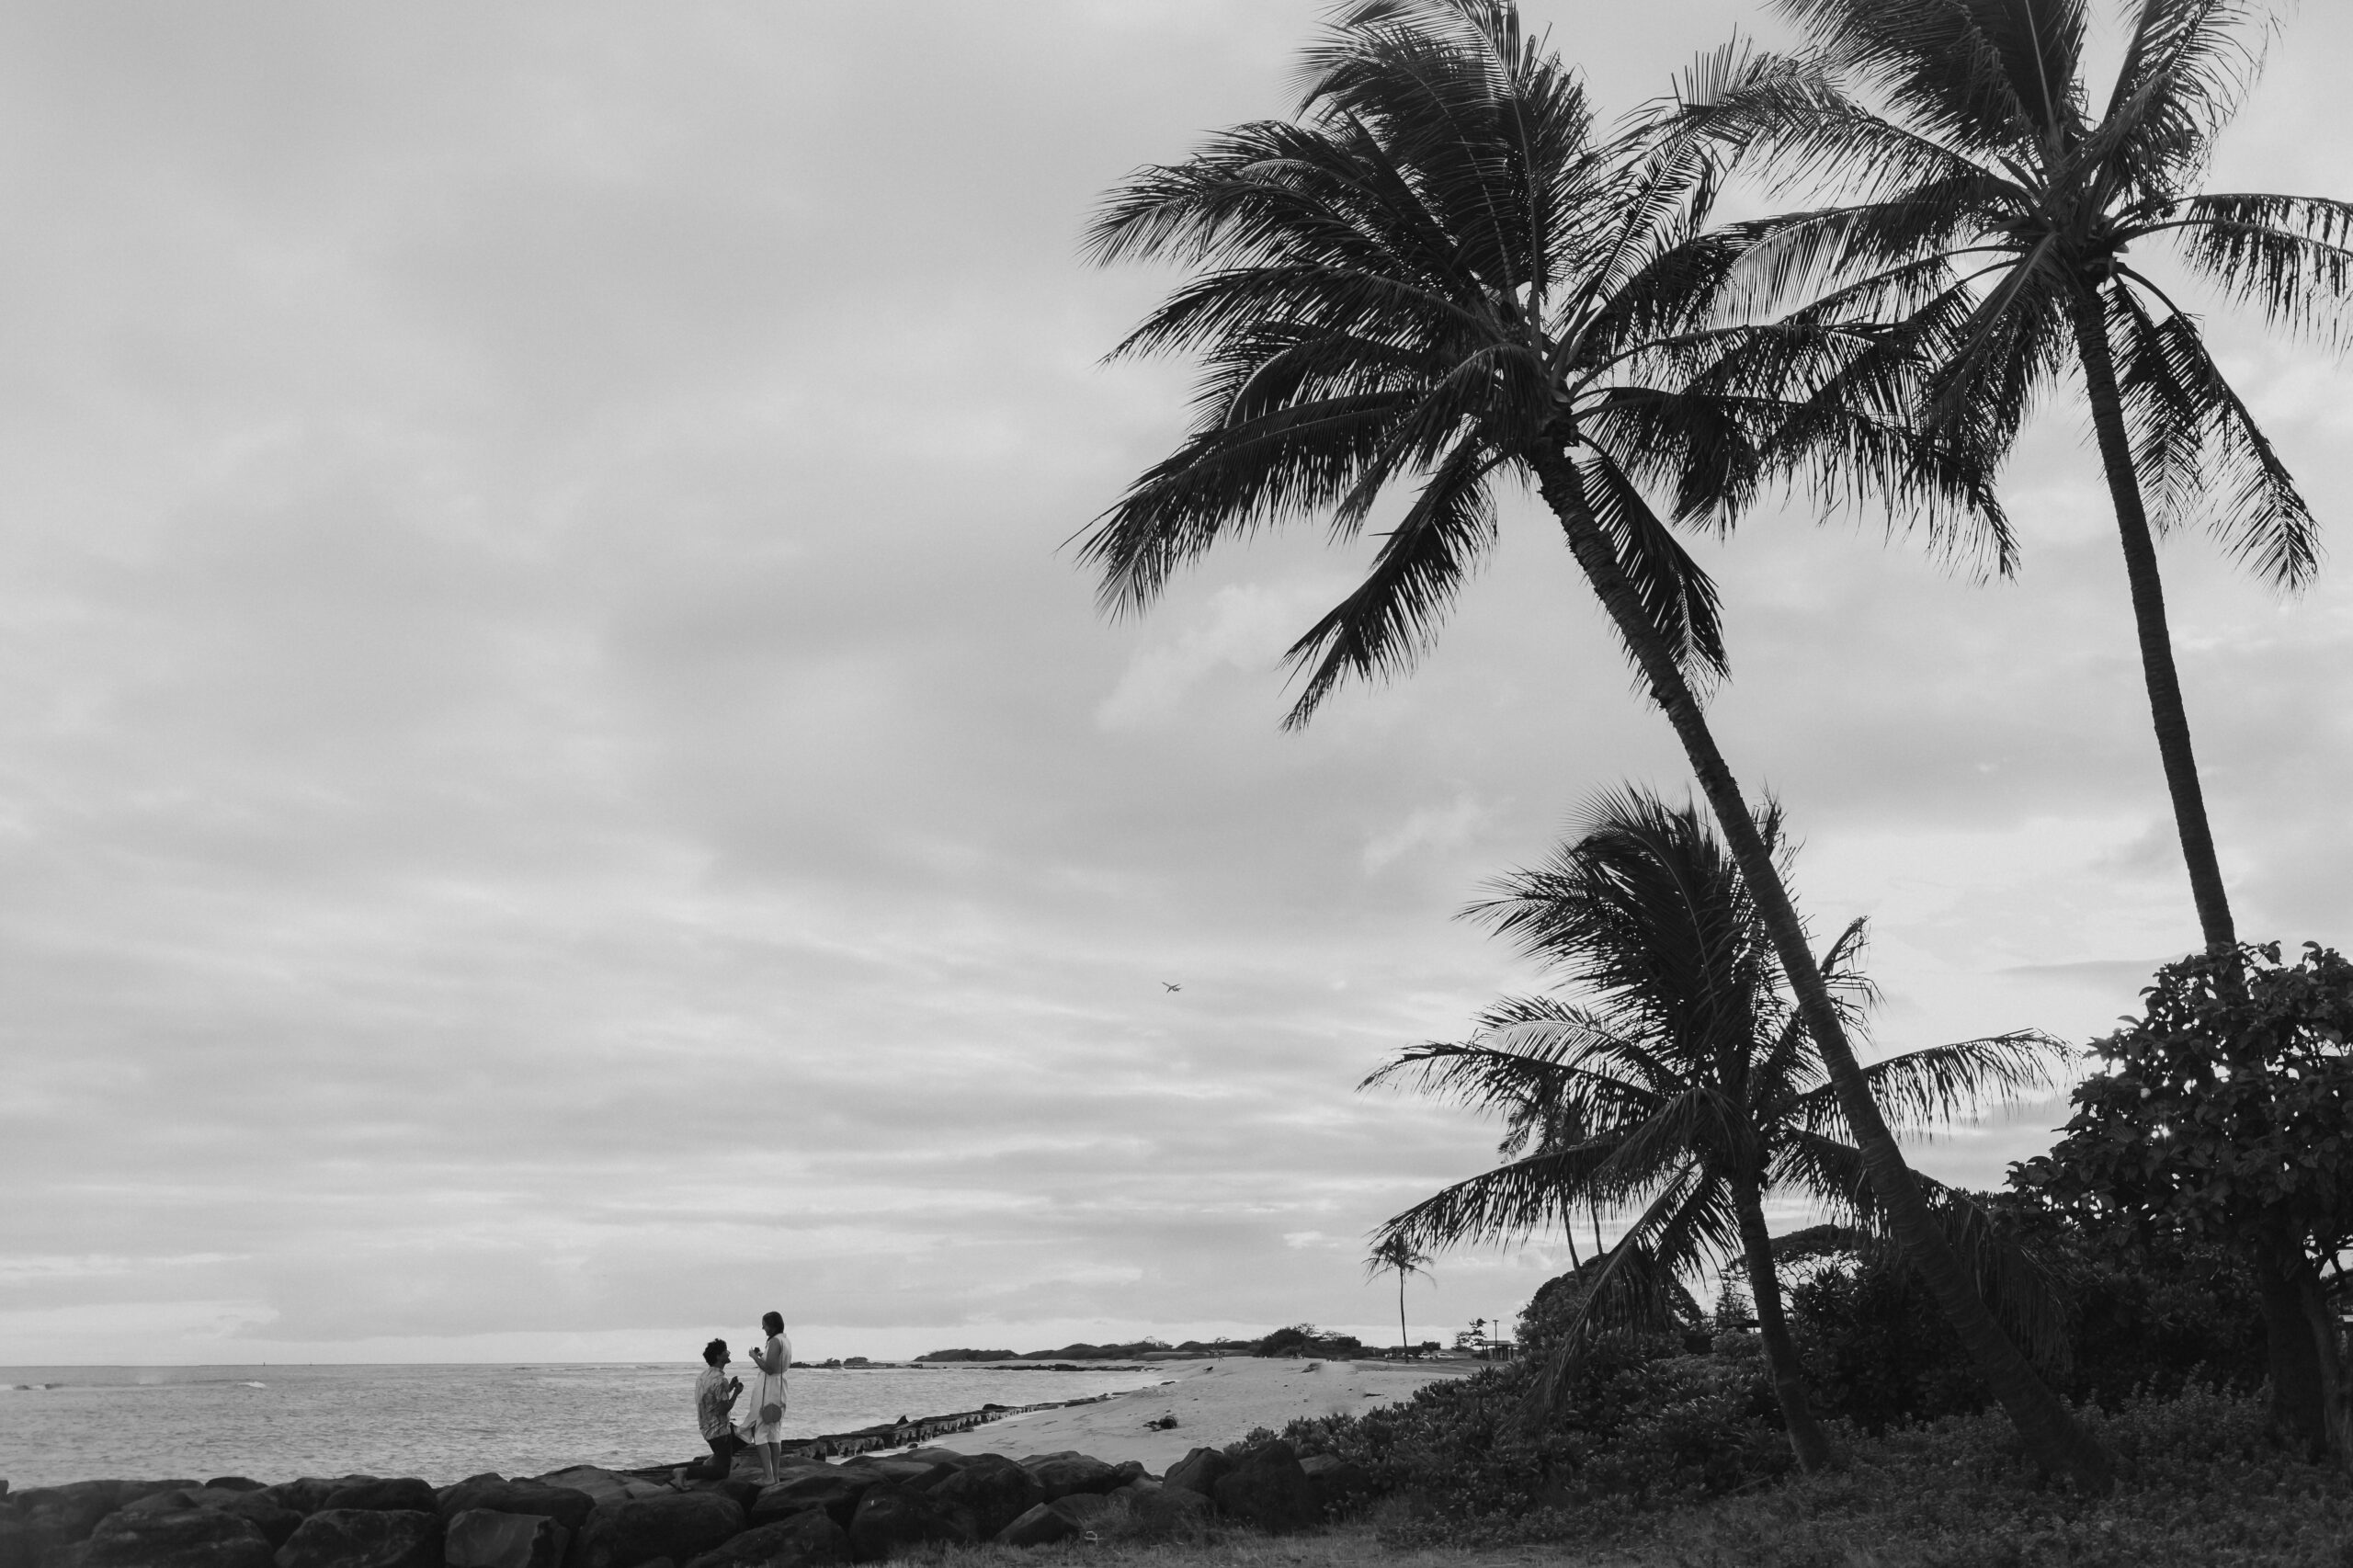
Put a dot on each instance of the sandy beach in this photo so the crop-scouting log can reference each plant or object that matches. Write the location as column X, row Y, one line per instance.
column 1214, row 1402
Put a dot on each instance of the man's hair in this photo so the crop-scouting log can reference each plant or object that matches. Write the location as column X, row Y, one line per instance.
column 714, row 1350
column 773, row 1322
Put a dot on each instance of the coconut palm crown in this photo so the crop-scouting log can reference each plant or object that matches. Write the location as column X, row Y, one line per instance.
column 1981, row 206
column 1438, row 277
column 1676, row 1088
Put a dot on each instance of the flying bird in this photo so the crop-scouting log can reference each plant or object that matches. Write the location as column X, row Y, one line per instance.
column 1170, row 985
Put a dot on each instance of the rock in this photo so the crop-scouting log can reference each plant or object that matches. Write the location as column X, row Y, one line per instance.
column 1198, row 1471
column 67, row 1513
column 1333, row 1481
column 19, row 1547
column 946, row 1456
column 1164, row 1512
column 893, row 1521
column 407, row 1495
column 808, row 1540
column 1061, row 1519
column 1062, row 1474
column 307, row 1495
column 276, row 1525
column 677, row 1525
column 1267, row 1488
column 566, row 1505
column 232, row 1483
column 365, row 1538
column 1130, row 1471
column 485, row 1537
column 829, row 1489
column 605, row 1486
column 994, row 1490
column 175, row 1537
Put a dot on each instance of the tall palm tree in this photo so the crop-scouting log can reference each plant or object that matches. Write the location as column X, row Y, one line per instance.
column 1989, row 210
column 1438, row 276
column 1398, row 1253
column 1684, row 1066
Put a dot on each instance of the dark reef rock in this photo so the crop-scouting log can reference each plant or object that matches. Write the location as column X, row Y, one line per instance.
column 994, row 1490
column 483, row 1538
column 676, row 1524
column 181, row 1537
column 1267, row 1488
column 808, row 1540
column 1198, row 1471
column 406, row 1495
column 365, row 1538
column 1061, row 1474
column 893, row 1521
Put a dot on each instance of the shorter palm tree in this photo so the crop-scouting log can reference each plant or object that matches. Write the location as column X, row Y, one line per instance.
column 1397, row 1253
column 1678, row 1088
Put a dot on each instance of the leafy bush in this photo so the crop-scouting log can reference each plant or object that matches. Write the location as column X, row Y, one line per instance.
column 1645, row 1423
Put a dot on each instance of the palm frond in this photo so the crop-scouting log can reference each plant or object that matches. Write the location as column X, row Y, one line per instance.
column 2199, row 450
column 1933, row 1086
column 2291, row 257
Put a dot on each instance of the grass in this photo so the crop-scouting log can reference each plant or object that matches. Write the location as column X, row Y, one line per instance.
column 2202, row 1488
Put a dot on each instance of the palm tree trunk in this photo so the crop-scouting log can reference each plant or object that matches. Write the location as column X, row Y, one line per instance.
column 1402, row 1349
column 2051, row 1432
column 1813, row 1449
column 2170, row 718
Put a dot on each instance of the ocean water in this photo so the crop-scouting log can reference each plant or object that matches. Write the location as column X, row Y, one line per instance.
column 443, row 1422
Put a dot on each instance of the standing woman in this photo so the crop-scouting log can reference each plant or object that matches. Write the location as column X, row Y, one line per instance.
column 764, row 1412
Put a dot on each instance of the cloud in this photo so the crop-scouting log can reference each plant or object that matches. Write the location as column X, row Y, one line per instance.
column 560, row 783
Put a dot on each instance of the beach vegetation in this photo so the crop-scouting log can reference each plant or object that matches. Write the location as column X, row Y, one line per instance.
column 2223, row 1118
column 1441, row 276
column 1672, row 1086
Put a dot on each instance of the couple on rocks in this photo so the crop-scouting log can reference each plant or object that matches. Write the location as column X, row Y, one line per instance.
column 760, row 1427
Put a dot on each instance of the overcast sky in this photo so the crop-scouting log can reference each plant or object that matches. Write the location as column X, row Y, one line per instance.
column 560, row 786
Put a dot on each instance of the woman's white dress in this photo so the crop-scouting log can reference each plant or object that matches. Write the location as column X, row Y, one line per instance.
column 765, row 1389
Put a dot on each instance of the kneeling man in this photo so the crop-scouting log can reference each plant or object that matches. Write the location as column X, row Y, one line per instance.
column 715, row 1395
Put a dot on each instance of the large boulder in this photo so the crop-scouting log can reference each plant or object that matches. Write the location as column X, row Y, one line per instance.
column 310, row 1493
column 232, row 1483
column 63, row 1514
column 1198, row 1471
column 1061, row 1519
column 19, row 1547
column 566, row 1505
column 893, row 1521
column 1267, row 1488
column 483, row 1538
column 407, row 1495
column 676, row 1524
column 1062, row 1474
column 994, row 1490
column 808, row 1540
column 832, row 1490
column 1156, row 1512
column 606, row 1486
column 365, row 1538
column 181, row 1537
column 1334, row 1482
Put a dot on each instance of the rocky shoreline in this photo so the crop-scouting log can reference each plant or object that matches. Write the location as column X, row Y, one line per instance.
column 868, row 1508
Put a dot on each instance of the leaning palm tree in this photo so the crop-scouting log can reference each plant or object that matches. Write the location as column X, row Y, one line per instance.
column 1440, row 276
column 1989, row 213
column 1683, row 1063
column 1398, row 1255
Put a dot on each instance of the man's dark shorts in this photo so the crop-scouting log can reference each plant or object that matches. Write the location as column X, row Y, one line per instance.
column 723, row 1450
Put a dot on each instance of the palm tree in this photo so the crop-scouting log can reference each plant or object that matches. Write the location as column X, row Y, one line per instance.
column 1438, row 276
column 1993, row 213
column 1684, row 1064
column 1397, row 1253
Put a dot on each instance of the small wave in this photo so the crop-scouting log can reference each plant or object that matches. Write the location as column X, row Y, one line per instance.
column 253, row 1385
